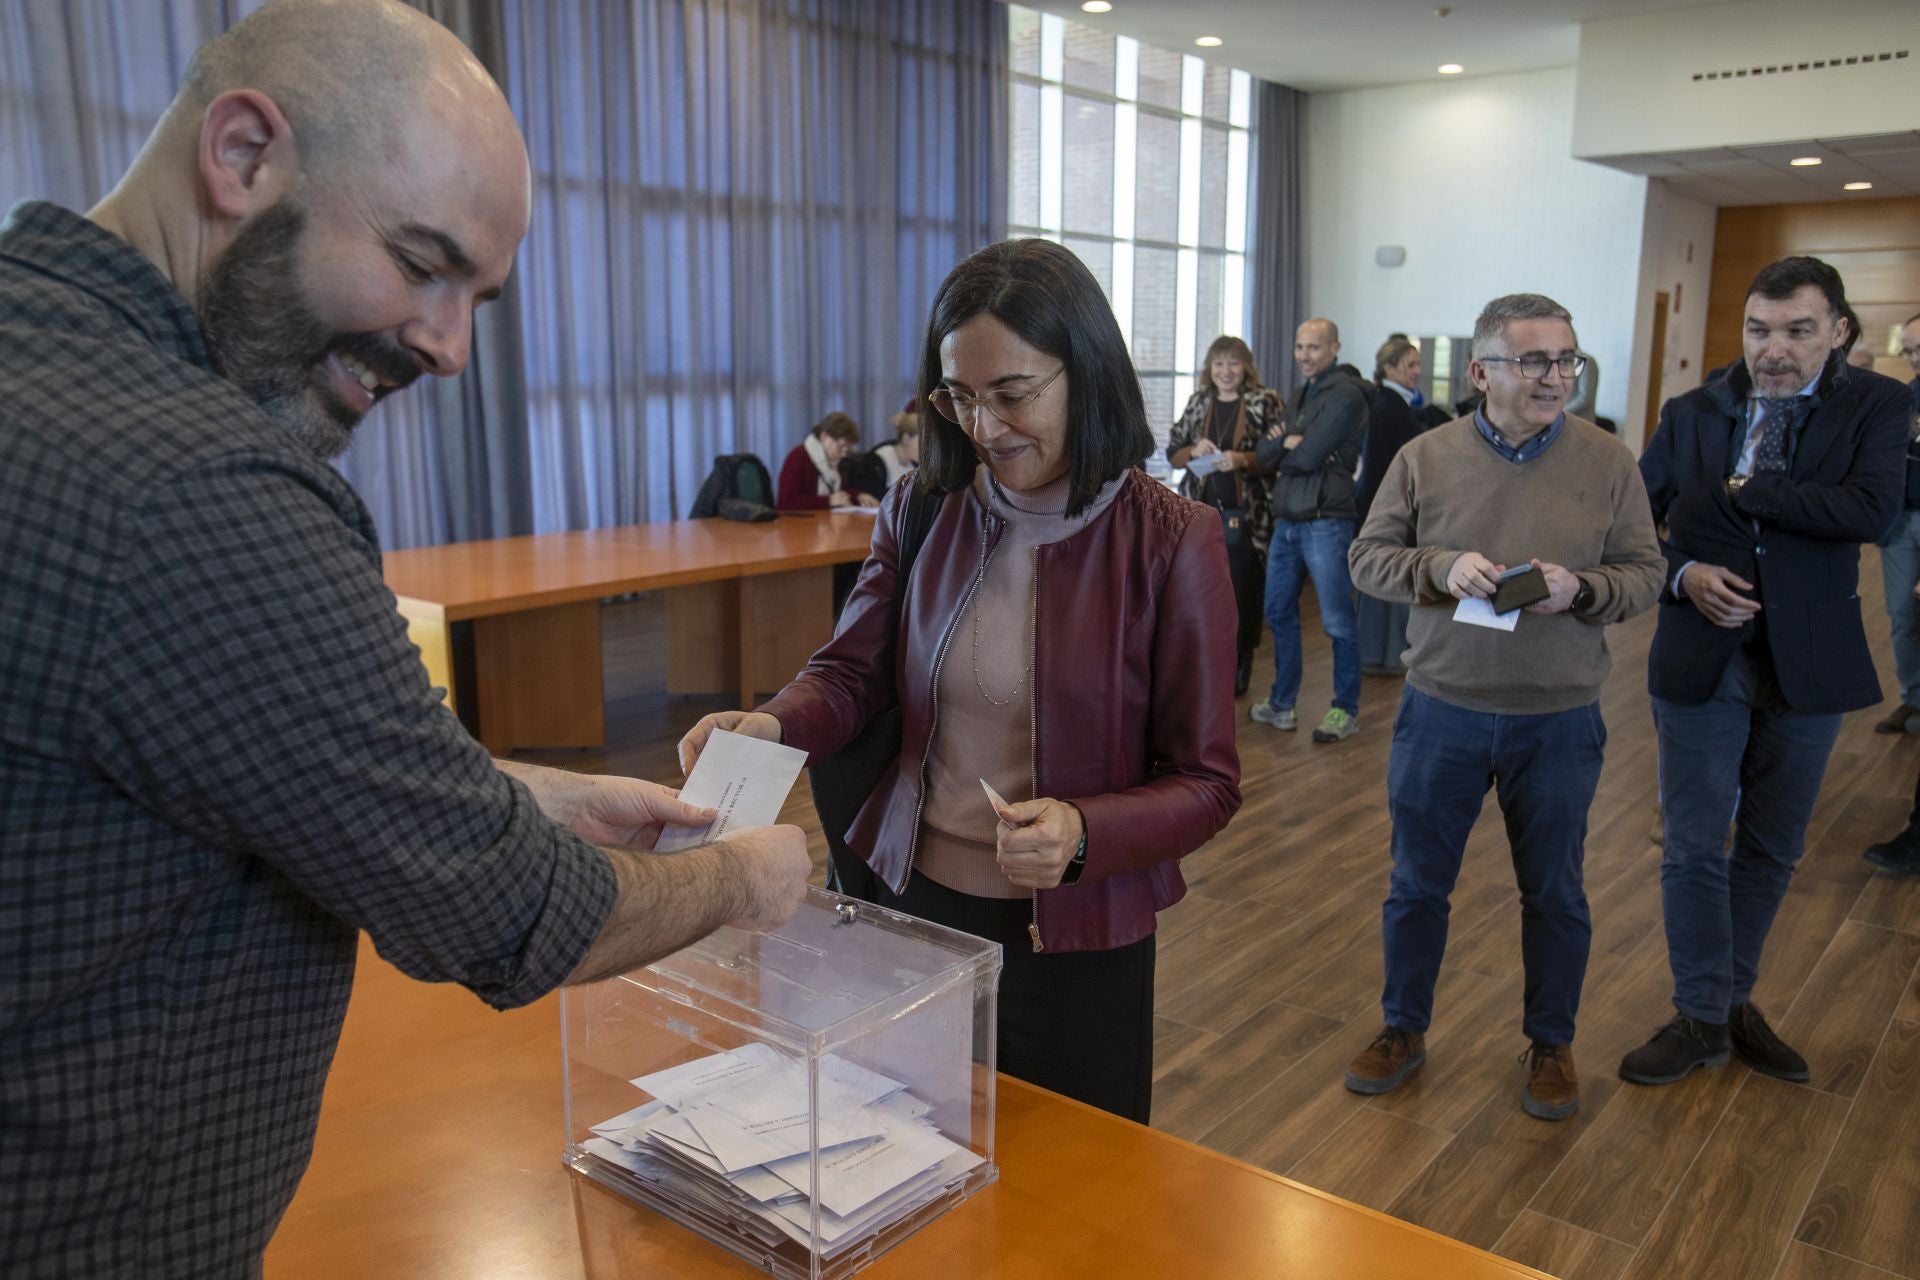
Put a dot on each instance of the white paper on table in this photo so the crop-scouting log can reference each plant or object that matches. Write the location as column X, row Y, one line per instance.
column 692, row 1081
column 757, row 1124
column 853, row 1176
column 746, row 779
column 1479, row 613
column 838, row 1230
column 1201, row 464
column 854, row 509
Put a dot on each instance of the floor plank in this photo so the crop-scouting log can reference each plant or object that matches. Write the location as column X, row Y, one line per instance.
column 1562, row 1249
column 1804, row 1262
column 1199, row 1091
column 1863, row 1207
column 1842, row 1014
column 1371, row 1158
column 1732, row 1215
column 1618, row 1179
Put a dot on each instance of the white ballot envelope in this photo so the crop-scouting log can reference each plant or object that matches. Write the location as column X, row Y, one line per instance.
column 746, row 779
column 1202, row 464
column 1479, row 613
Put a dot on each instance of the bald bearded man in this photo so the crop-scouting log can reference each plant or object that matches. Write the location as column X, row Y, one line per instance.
column 219, row 756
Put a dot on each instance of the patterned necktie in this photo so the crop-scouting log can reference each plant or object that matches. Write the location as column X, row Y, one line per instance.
column 1775, row 417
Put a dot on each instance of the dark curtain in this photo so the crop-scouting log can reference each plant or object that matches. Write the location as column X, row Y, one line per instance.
column 742, row 209
column 1279, row 230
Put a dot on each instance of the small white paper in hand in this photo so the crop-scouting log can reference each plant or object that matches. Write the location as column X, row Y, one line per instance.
column 746, row 779
column 1479, row 613
column 1202, row 464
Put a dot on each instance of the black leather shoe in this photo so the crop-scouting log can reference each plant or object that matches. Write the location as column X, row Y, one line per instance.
column 1757, row 1046
column 1901, row 854
column 1675, row 1050
column 1243, row 674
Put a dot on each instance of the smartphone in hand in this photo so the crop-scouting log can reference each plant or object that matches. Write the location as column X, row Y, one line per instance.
column 1519, row 587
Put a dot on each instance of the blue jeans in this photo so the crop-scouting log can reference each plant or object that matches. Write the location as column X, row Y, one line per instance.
column 1899, row 570
column 1742, row 756
column 1319, row 548
column 1545, row 767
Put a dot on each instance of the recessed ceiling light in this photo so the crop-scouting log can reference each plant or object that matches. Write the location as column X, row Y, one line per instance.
column 1451, row 68
column 1858, row 186
column 1208, row 42
column 1097, row 6
column 1801, row 162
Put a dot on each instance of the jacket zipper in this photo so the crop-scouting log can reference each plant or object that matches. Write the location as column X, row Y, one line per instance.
column 987, row 548
column 1033, row 721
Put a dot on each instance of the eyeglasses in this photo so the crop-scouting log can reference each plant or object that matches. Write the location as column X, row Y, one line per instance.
column 1536, row 366
column 1004, row 405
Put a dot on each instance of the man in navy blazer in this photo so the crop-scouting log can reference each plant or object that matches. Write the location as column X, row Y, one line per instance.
column 1767, row 480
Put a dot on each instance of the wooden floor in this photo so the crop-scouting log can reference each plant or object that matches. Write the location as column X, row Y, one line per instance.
column 1270, row 970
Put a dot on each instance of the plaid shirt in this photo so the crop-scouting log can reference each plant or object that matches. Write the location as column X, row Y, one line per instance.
column 219, row 760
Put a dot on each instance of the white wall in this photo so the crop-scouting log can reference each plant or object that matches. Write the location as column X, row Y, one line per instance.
column 1637, row 92
column 1475, row 178
column 1677, row 259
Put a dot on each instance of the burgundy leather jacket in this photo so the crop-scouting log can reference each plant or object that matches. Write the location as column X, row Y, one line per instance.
column 1132, row 694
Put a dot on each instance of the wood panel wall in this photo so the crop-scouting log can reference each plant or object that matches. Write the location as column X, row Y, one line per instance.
column 1874, row 244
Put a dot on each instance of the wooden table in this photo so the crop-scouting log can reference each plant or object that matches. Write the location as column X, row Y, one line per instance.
column 752, row 602
column 439, row 1158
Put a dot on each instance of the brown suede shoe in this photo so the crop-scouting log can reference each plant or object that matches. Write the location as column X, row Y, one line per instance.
column 1553, row 1090
column 1897, row 721
column 1393, row 1056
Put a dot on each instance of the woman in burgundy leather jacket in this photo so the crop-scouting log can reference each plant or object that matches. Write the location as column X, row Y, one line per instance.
column 1066, row 636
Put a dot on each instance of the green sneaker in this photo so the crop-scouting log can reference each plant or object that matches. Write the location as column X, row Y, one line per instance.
column 1264, row 712
column 1337, row 727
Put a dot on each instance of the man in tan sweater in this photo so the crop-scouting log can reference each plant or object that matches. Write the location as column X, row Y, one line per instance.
column 1502, row 700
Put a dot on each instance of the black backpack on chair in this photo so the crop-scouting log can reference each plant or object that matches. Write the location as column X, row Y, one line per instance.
column 739, row 488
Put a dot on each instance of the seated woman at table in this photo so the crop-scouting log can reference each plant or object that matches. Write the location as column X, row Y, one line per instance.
column 1228, row 416
column 902, row 453
column 810, row 477
column 1065, row 635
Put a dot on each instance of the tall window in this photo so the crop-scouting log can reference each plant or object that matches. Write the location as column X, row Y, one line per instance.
column 1136, row 159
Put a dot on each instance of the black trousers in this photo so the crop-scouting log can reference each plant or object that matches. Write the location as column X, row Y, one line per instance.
column 1076, row 1022
column 1247, row 563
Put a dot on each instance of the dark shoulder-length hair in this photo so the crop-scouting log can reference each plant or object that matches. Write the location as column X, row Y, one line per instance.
column 1050, row 300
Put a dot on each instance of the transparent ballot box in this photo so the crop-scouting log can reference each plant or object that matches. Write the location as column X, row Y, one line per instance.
column 807, row 1098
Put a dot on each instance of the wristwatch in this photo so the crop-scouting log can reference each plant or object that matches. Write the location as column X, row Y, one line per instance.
column 1735, row 484
column 1582, row 599
column 1079, row 861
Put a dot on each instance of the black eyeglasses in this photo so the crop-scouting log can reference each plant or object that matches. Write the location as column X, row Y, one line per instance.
column 1536, row 366
column 1004, row 405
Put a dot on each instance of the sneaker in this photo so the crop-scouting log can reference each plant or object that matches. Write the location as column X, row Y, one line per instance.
column 1265, row 712
column 1337, row 727
column 1386, row 1064
column 1902, row 853
column 1553, row 1090
column 1676, row 1049
column 1755, row 1044
column 1902, row 719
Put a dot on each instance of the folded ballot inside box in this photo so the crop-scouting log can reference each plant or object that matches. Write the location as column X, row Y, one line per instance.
column 806, row 1098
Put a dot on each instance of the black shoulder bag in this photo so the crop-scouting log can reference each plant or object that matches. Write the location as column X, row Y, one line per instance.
column 843, row 781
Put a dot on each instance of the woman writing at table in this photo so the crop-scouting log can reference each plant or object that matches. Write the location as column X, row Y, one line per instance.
column 810, row 477
column 1065, row 636
column 1226, row 419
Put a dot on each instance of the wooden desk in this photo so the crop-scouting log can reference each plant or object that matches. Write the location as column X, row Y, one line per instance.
column 753, row 602
column 439, row 1158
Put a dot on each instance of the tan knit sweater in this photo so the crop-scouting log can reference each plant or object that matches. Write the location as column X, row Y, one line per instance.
column 1580, row 505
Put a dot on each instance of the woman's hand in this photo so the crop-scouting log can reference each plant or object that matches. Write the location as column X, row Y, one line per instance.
column 839, row 498
column 1203, row 446
column 754, row 724
column 1036, row 840
column 867, row 500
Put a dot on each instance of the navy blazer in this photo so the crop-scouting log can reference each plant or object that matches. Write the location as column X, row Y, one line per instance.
column 1843, row 488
